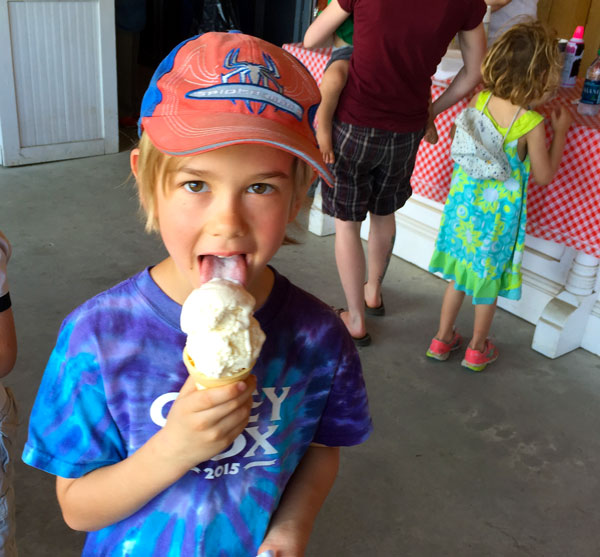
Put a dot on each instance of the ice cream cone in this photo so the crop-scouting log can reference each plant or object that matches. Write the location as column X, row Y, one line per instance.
column 204, row 382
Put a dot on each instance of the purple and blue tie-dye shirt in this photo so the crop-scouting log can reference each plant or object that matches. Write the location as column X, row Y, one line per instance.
column 114, row 374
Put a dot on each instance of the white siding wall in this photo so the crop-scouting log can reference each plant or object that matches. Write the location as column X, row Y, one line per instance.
column 56, row 70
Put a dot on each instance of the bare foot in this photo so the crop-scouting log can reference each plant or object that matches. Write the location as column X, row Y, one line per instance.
column 354, row 327
column 371, row 299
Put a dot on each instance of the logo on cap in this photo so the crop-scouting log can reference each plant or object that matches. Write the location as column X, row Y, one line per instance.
column 255, row 83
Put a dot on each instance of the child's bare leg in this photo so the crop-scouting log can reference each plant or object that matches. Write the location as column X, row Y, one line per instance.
column 451, row 303
column 334, row 80
column 382, row 233
column 484, row 314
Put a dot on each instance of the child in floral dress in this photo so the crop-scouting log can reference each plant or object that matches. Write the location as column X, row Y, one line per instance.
column 481, row 239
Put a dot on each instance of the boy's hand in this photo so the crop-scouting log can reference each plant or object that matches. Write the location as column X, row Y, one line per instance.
column 203, row 423
column 284, row 542
column 560, row 120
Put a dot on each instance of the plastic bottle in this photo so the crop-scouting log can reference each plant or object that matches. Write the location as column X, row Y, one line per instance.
column 590, row 96
column 573, row 54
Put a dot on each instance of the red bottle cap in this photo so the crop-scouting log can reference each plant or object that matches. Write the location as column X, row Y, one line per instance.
column 578, row 34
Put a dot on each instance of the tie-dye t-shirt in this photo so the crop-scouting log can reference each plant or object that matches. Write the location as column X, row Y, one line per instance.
column 114, row 374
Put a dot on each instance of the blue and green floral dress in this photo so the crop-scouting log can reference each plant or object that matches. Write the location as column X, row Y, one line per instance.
column 482, row 233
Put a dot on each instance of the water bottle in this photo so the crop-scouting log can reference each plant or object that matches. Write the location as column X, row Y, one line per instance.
column 590, row 96
column 573, row 54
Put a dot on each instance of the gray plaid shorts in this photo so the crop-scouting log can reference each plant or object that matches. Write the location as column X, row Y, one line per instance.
column 372, row 171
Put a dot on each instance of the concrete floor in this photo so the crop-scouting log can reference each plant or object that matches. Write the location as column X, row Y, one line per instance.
column 504, row 463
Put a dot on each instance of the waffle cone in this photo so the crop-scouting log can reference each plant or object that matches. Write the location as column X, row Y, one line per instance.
column 204, row 382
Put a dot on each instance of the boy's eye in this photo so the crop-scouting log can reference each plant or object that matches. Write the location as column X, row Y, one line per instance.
column 195, row 187
column 260, row 188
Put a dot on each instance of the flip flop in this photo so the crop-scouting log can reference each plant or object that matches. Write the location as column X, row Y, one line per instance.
column 360, row 342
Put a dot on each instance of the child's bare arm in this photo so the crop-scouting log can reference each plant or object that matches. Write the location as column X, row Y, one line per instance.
column 545, row 163
column 301, row 501
column 473, row 48
column 332, row 84
column 324, row 26
column 8, row 342
column 497, row 4
column 199, row 425
column 8, row 336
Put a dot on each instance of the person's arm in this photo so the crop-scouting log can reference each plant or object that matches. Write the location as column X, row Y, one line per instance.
column 324, row 26
column 333, row 82
column 199, row 425
column 497, row 4
column 8, row 342
column 8, row 335
column 431, row 133
column 545, row 163
column 473, row 48
column 305, row 493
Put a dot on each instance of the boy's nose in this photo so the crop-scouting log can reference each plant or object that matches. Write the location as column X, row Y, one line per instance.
column 226, row 220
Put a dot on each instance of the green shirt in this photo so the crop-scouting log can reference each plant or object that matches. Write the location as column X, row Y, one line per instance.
column 345, row 30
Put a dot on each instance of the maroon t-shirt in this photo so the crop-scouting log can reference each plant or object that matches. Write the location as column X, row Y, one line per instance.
column 397, row 47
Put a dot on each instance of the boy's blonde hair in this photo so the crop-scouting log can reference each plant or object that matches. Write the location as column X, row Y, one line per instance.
column 153, row 166
column 524, row 64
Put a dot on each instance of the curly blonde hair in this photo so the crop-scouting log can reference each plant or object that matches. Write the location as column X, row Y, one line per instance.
column 524, row 64
column 153, row 165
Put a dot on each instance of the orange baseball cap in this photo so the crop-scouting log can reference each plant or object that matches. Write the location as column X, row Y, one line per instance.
column 220, row 89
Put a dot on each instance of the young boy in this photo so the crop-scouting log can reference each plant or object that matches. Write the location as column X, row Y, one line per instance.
column 145, row 462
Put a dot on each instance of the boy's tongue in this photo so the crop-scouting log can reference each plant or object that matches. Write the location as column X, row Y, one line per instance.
column 231, row 268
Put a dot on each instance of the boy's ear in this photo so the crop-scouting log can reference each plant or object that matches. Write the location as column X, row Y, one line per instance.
column 133, row 160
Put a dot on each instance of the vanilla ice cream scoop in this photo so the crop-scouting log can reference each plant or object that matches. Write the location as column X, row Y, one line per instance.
column 224, row 339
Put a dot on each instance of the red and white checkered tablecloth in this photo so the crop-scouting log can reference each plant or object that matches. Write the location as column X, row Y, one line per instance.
column 315, row 60
column 566, row 211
